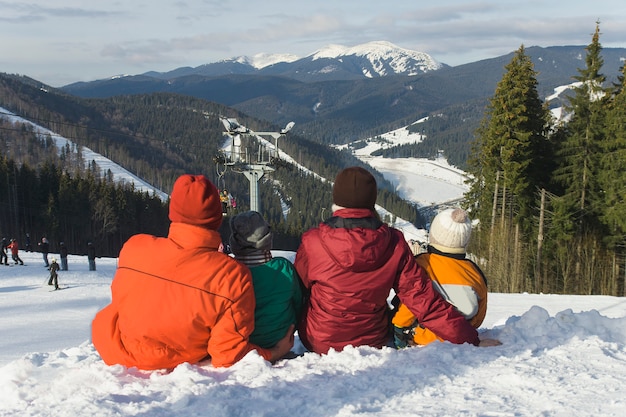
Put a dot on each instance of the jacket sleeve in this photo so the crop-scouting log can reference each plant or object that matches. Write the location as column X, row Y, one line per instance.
column 298, row 295
column 229, row 341
column 301, row 264
column 415, row 290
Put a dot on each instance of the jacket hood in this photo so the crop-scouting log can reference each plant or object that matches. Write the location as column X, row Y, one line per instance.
column 356, row 240
column 189, row 236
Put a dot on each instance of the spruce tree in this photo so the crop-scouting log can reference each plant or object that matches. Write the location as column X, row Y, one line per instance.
column 578, row 213
column 613, row 164
column 580, row 152
column 511, row 149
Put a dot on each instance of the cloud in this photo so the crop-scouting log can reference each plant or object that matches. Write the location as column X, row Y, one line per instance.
column 14, row 12
column 283, row 27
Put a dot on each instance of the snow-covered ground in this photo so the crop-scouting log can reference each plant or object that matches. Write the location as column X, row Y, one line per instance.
column 562, row 355
column 427, row 182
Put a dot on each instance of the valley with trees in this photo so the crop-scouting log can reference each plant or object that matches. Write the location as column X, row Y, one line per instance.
column 158, row 137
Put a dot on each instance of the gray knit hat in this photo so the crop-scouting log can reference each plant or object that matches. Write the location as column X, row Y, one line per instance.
column 249, row 233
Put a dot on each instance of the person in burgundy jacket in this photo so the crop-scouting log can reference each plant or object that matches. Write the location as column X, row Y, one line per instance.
column 350, row 263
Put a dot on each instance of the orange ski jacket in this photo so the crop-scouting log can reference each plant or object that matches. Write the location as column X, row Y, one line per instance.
column 175, row 300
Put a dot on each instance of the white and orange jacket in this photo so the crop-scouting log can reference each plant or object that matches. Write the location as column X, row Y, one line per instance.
column 459, row 280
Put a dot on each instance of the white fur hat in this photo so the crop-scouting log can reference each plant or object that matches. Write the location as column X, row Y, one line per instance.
column 450, row 231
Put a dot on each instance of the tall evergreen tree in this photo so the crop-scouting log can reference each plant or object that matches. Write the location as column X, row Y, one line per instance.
column 580, row 152
column 511, row 148
column 578, row 213
column 613, row 174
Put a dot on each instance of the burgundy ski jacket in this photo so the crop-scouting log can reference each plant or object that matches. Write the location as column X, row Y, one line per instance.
column 349, row 264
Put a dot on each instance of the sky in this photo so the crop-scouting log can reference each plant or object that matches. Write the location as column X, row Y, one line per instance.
column 60, row 42
column 561, row 355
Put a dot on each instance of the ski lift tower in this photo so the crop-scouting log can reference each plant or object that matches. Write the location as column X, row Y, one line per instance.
column 241, row 161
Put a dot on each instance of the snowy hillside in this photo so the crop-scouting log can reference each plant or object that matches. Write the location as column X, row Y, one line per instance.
column 561, row 356
column 426, row 182
column 429, row 182
column 120, row 174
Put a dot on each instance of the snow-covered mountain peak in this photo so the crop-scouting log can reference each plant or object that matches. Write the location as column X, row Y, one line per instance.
column 383, row 56
column 329, row 51
column 263, row 60
column 377, row 58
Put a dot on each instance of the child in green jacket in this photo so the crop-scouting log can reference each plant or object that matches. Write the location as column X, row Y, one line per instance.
column 276, row 283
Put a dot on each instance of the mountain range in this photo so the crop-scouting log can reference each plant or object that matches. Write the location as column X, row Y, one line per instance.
column 333, row 62
column 338, row 94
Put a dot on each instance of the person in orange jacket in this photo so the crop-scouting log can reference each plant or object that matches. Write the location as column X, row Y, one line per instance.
column 189, row 303
column 459, row 280
column 15, row 252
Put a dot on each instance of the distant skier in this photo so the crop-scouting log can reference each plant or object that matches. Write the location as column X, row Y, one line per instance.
column 91, row 256
column 54, row 278
column 63, row 254
column 29, row 246
column 15, row 252
column 4, row 259
column 44, row 245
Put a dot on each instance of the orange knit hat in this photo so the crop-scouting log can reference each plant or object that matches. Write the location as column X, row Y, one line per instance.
column 196, row 201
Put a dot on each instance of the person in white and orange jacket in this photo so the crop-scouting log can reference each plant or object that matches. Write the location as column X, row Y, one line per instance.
column 459, row 280
column 188, row 304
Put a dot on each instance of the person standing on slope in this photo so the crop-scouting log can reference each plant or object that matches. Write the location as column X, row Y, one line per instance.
column 29, row 246
column 4, row 259
column 54, row 277
column 349, row 265
column 91, row 256
column 63, row 255
column 15, row 252
column 44, row 246
column 190, row 303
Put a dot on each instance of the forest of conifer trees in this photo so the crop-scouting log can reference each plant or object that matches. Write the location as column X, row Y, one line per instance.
column 549, row 194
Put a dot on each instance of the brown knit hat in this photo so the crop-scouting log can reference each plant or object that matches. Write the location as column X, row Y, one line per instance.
column 196, row 201
column 355, row 187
